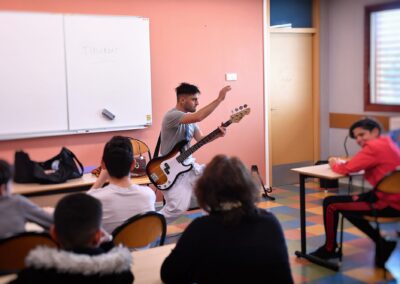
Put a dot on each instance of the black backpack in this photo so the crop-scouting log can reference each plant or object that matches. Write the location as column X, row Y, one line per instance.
column 58, row 169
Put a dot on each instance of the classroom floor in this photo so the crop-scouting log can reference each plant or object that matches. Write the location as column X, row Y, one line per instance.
column 358, row 251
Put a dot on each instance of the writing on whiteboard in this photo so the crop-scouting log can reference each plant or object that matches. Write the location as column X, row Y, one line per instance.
column 91, row 50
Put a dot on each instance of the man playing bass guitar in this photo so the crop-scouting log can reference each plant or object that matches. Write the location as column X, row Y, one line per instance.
column 180, row 123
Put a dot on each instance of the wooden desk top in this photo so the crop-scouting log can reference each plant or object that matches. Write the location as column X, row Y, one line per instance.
column 320, row 171
column 7, row 278
column 147, row 264
column 86, row 180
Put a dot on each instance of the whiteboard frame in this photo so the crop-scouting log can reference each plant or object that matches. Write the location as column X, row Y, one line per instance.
column 64, row 133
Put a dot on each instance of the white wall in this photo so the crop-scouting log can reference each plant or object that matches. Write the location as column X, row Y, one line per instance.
column 342, row 67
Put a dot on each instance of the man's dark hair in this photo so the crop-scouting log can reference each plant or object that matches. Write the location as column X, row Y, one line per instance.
column 367, row 124
column 77, row 218
column 5, row 172
column 118, row 156
column 186, row 89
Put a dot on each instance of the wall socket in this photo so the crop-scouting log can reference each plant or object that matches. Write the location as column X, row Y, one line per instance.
column 230, row 76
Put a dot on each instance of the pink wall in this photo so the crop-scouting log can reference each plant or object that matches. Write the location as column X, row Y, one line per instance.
column 196, row 41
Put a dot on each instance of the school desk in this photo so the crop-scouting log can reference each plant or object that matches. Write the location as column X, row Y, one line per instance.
column 319, row 171
column 72, row 185
column 147, row 264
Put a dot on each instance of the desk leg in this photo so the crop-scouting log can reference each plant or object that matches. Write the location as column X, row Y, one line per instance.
column 303, row 252
column 303, row 213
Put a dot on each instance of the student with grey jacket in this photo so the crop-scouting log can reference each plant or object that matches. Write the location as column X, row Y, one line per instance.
column 16, row 210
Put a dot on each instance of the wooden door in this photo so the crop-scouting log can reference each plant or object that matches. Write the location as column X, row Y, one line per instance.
column 291, row 101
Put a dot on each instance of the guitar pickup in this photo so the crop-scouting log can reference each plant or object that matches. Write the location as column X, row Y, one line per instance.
column 154, row 177
column 166, row 168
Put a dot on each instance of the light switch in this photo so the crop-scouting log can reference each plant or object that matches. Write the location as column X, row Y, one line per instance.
column 230, row 76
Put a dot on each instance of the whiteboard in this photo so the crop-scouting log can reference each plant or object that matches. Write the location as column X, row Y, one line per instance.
column 108, row 67
column 32, row 74
column 58, row 72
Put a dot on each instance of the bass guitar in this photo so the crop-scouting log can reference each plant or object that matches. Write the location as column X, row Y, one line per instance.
column 164, row 170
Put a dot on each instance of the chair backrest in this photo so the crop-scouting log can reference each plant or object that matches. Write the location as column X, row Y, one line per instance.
column 14, row 249
column 141, row 230
column 390, row 183
column 139, row 147
column 395, row 135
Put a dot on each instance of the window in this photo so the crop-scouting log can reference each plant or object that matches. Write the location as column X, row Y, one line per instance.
column 382, row 57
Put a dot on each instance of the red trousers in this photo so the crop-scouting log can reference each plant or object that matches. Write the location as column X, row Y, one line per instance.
column 352, row 208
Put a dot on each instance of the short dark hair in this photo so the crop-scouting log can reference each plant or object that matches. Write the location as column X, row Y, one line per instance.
column 77, row 218
column 186, row 89
column 227, row 181
column 366, row 123
column 5, row 172
column 118, row 156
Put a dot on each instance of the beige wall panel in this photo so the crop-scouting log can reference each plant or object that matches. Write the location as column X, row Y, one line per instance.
column 345, row 120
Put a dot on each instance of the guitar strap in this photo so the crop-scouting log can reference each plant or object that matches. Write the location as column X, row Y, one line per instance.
column 157, row 150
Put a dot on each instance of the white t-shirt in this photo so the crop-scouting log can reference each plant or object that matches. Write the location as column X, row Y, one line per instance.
column 119, row 203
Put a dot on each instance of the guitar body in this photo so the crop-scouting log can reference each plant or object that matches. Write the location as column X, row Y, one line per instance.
column 163, row 171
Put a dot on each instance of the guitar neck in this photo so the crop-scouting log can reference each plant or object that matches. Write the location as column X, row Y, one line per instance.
column 185, row 154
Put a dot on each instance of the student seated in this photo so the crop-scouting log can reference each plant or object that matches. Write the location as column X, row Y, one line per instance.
column 378, row 156
column 121, row 199
column 77, row 220
column 16, row 210
column 236, row 242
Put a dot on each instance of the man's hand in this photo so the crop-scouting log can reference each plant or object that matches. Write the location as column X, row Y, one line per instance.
column 102, row 179
column 104, row 236
column 335, row 160
column 332, row 161
column 222, row 93
column 222, row 131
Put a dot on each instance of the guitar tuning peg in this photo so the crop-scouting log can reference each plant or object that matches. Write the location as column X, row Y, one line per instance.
column 241, row 107
column 236, row 109
column 245, row 105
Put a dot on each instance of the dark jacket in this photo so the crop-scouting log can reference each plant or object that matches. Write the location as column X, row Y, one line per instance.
column 253, row 251
column 89, row 265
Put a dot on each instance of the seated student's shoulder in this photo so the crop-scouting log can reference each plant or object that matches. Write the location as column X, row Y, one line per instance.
column 173, row 116
column 145, row 190
column 267, row 217
column 382, row 144
column 97, row 191
column 382, row 141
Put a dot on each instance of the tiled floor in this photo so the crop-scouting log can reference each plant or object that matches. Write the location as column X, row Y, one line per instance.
column 357, row 265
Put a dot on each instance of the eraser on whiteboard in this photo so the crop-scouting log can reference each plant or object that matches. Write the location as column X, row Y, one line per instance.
column 106, row 113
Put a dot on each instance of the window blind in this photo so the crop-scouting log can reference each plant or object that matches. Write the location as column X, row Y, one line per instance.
column 385, row 57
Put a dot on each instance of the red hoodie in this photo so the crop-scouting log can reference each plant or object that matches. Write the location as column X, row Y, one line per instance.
column 377, row 157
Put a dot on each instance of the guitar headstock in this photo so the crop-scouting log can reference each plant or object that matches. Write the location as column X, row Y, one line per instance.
column 239, row 113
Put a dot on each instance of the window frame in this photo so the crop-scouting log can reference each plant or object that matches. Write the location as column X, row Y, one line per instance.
column 368, row 105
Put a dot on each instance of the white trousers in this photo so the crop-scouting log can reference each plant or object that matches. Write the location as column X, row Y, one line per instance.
column 178, row 197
